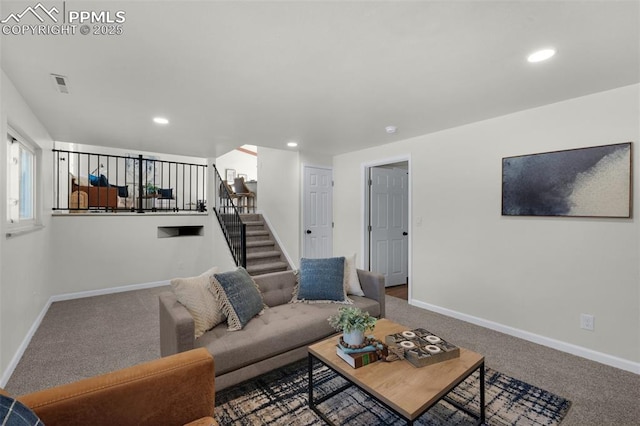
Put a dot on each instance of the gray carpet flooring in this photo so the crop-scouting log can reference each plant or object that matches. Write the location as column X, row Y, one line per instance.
column 84, row 337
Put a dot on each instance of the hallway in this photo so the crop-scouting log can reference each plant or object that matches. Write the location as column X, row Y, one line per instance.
column 399, row 291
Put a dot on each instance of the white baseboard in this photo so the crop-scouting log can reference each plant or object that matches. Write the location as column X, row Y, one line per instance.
column 58, row 298
column 23, row 346
column 103, row 291
column 613, row 361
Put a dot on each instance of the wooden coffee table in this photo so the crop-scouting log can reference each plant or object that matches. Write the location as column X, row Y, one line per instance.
column 404, row 389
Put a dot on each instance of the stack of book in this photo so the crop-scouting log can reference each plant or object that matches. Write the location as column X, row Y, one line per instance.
column 361, row 356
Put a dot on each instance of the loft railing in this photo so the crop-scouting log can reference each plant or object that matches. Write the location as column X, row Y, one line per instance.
column 234, row 230
column 101, row 183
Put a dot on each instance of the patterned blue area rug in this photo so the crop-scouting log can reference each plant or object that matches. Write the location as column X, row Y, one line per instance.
column 280, row 397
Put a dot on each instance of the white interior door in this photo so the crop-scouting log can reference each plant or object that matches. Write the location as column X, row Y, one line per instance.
column 388, row 242
column 317, row 212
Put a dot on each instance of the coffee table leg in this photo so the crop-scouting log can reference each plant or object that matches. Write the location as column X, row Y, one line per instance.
column 311, row 404
column 482, row 418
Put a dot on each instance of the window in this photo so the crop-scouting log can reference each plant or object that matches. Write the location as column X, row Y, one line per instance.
column 21, row 181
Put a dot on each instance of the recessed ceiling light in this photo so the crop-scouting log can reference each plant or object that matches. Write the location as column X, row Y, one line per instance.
column 391, row 129
column 160, row 120
column 541, row 55
column 292, row 144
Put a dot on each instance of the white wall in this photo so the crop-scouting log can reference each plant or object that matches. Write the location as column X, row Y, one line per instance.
column 93, row 252
column 241, row 162
column 3, row 206
column 106, row 150
column 78, row 253
column 535, row 275
column 312, row 159
column 222, row 257
column 279, row 192
column 26, row 267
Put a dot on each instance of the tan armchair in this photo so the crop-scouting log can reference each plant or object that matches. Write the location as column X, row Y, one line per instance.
column 175, row 390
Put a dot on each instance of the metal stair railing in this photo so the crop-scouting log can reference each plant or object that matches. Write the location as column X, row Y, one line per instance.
column 234, row 230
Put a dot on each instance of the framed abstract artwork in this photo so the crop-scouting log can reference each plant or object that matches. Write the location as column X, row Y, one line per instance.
column 230, row 175
column 583, row 182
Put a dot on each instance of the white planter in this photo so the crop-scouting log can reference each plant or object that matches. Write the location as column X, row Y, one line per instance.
column 353, row 338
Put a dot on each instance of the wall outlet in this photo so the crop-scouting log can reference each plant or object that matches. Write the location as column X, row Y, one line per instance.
column 587, row 321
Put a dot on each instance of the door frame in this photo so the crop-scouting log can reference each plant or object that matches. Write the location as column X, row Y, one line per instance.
column 302, row 207
column 366, row 211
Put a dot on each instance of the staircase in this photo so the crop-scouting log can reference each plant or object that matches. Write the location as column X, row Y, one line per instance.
column 263, row 253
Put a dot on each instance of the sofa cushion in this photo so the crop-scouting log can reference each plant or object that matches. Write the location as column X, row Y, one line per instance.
column 277, row 287
column 321, row 281
column 194, row 294
column 280, row 329
column 239, row 297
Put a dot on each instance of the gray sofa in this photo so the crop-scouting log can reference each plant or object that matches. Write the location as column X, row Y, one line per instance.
column 276, row 338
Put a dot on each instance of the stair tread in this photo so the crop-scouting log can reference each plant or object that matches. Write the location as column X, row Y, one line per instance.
column 263, row 254
column 275, row 266
column 264, row 250
column 260, row 243
column 248, row 217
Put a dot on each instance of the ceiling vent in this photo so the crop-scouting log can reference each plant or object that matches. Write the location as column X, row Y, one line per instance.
column 60, row 82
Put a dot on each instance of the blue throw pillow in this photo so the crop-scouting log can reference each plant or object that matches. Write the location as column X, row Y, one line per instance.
column 98, row 181
column 14, row 413
column 321, row 281
column 239, row 297
column 166, row 193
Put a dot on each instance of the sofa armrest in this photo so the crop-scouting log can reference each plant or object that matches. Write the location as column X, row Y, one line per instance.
column 177, row 328
column 372, row 284
column 174, row 390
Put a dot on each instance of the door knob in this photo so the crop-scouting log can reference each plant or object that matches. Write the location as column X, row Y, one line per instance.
column 405, row 233
column 308, row 231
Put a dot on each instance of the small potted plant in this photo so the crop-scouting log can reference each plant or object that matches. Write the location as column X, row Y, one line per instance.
column 151, row 188
column 353, row 322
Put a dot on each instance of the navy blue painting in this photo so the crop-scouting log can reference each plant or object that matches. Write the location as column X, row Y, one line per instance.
column 585, row 182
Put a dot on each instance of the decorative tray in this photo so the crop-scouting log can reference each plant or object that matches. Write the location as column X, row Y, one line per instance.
column 422, row 348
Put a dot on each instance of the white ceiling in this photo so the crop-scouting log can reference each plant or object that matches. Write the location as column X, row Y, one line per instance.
column 329, row 75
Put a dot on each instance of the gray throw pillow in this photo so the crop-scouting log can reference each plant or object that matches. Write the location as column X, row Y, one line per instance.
column 239, row 297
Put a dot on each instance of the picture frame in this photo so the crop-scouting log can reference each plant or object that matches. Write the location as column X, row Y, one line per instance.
column 582, row 182
column 230, row 175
